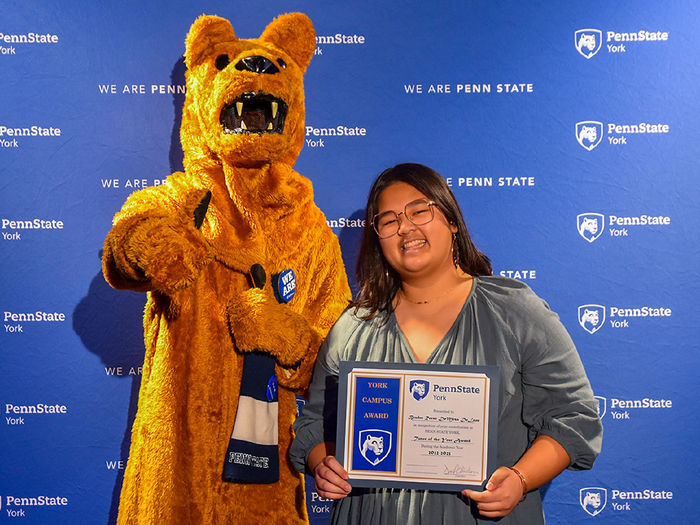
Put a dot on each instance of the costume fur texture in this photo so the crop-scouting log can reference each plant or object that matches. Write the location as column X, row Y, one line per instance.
column 201, row 314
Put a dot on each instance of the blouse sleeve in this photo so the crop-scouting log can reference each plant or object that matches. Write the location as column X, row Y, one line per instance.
column 557, row 396
column 317, row 422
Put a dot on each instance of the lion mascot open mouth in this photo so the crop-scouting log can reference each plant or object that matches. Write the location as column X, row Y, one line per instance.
column 238, row 263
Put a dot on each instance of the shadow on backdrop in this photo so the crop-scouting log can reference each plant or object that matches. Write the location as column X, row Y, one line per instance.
column 350, row 239
column 177, row 78
column 110, row 325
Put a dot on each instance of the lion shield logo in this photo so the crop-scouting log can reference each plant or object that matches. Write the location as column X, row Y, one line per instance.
column 591, row 317
column 593, row 499
column 590, row 225
column 375, row 445
column 589, row 133
column 419, row 388
column 588, row 41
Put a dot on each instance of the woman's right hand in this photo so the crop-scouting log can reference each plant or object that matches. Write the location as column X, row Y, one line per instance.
column 330, row 479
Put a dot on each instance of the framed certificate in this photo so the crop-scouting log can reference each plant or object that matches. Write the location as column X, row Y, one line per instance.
column 417, row 425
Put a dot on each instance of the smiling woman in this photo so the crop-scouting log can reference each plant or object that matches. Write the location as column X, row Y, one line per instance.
column 427, row 295
column 419, row 246
column 396, row 187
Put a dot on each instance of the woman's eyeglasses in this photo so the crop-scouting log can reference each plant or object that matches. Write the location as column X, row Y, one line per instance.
column 419, row 212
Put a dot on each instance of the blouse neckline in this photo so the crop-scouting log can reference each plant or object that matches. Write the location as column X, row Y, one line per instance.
column 406, row 346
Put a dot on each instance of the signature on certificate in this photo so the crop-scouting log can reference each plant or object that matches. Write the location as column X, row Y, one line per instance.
column 459, row 471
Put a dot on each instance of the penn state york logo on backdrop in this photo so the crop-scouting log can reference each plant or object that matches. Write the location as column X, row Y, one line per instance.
column 602, row 406
column 375, row 445
column 588, row 41
column 419, row 388
column 589, row 133
column 591, row 317
column 593, row 499
column 590, row 225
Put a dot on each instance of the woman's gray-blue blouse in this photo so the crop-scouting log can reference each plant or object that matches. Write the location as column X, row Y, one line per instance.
column 544, row 390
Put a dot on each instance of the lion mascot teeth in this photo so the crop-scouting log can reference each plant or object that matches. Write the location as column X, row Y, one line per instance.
column 241, row 273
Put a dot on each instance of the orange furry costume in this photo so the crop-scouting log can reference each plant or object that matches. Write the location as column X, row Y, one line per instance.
column 242, row 130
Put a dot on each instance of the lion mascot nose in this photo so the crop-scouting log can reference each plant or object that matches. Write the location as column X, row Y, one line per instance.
column 257, row 64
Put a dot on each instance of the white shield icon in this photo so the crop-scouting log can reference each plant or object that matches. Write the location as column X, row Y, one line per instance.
column 591, row 317
column 588, row 41
column 590, row 225
column 301, row 403
column 419, row 388
column 602, row 406
column 593, row 499
column 374, row 444
column 589, row 133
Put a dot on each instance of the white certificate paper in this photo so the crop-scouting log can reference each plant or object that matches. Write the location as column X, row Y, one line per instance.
column 417, row 426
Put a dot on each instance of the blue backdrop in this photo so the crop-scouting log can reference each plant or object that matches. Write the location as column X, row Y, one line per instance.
column 568, row 131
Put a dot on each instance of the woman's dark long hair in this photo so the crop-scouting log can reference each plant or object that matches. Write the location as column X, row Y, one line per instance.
column 378, row 281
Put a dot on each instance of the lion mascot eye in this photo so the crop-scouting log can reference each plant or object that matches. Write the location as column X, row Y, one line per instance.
column 221, row 62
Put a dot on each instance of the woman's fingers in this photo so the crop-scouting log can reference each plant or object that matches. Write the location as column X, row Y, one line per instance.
column 333, row 464
column 502, row 494
column 330, row 479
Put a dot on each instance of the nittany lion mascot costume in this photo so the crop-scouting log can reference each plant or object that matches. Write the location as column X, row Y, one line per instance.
column 238, row 264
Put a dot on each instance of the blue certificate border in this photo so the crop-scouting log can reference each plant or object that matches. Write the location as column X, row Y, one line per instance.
column 492, row 372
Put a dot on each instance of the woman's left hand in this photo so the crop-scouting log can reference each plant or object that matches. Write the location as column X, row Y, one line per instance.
column 503, row 492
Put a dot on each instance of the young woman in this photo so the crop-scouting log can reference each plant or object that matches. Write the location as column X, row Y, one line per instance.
column 427, row 295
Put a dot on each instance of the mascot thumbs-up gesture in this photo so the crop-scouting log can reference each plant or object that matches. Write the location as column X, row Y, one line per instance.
column 244, row 279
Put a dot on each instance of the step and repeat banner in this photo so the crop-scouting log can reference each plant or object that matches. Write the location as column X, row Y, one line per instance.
column 567, row 130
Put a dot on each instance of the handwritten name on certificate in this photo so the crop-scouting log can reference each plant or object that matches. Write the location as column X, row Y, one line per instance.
column 419, row 426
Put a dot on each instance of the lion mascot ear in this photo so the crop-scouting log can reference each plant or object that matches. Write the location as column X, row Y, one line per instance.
column 204, row 33
column 294, row 34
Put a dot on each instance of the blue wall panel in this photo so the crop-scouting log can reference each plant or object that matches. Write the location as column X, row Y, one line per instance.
column 430, row 83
